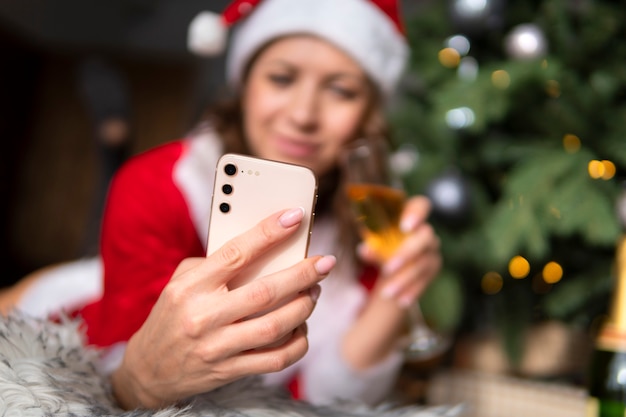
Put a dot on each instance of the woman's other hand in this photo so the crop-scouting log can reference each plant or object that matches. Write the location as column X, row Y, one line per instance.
column 416, row 262
column 196, row 339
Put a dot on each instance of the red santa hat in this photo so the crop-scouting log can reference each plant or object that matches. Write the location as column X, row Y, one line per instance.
column 370, row 31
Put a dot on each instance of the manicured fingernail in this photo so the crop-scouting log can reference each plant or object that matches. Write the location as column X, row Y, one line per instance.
column 409, row 223
column 314, row 292
column 325, row 264
column 389, row 291
column 291, row 217
column 392, row 266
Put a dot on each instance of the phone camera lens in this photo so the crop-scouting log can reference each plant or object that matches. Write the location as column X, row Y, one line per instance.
column 224, row 207
column 230, row 169
column 227, row 188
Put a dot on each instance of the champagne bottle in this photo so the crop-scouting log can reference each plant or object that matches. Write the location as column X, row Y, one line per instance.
column 607, row 376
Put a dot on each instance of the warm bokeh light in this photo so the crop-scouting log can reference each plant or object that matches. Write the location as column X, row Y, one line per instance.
column 491, row 283
column 501, row 79
column 519, row 267
column 449, row 57
column 604, row 169
column 571, row 143
column 596, row 169
column 552, row 273
column 609, row 169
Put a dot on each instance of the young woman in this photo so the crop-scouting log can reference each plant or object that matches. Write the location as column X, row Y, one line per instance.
column 309, row 76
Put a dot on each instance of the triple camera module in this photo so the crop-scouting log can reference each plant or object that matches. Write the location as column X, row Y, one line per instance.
column 230, row 170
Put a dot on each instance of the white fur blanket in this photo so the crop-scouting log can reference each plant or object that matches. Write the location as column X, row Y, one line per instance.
column 46, row 370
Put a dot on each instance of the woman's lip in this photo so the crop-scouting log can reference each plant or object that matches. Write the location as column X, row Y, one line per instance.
column 296, row 148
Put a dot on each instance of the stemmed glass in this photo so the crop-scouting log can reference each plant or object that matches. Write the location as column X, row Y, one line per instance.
column 377, row 197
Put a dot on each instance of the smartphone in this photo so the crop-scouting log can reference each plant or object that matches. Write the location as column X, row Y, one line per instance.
column 248, row 189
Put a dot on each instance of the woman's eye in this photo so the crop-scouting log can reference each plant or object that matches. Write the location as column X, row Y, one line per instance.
column 280, row 79
column 343, row 92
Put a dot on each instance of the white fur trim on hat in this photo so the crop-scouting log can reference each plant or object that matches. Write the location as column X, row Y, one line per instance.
column 358, row 27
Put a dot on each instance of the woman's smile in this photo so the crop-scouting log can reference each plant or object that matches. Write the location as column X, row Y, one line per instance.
column 293, row 148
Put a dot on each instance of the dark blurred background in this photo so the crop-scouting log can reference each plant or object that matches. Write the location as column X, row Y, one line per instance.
column 68, row 66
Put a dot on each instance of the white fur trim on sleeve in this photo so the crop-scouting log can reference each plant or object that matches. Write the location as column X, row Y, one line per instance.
column 63, row 287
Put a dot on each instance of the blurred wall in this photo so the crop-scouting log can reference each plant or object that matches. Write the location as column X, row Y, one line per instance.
column 50, row 162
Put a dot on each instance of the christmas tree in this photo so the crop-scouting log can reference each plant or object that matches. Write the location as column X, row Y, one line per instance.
column 513, row 120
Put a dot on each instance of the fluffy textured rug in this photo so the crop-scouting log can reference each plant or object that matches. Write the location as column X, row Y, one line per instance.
column 46, row 370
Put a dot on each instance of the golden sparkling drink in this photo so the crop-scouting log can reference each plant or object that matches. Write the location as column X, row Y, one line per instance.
column 378, row 210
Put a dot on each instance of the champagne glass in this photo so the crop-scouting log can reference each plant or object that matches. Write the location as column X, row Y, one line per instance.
column 377, row 198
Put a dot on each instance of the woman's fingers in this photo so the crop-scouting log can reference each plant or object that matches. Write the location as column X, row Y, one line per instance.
column 269, row 291
column 273, row 359
column 198, row 282
column 269, row 328
column 416, row 230
column 422, row 241
column 417, row 260
column 272, row 326
column 259, row 361
column 416, row 211
column 228, row 321
column 232, row 258
column 240, row 251
column 408, row 283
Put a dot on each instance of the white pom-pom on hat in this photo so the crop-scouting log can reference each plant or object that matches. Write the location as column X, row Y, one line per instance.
column 207, row 34
column 208, row 31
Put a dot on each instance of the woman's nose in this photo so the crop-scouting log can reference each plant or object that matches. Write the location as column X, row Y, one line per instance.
column 304, row 107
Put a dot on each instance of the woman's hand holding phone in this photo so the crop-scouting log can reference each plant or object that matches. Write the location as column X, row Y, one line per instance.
column 196, row 339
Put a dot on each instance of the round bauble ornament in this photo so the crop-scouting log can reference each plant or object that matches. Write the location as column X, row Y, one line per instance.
column 526, row 41
column 476, row 16
column 449, row 194
column 404, row 160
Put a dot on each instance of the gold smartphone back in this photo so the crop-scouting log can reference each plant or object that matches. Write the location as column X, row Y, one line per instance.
column 247, row 190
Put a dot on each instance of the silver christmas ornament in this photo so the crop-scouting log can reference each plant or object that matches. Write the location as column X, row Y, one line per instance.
column 526, row 41
column 449, row 194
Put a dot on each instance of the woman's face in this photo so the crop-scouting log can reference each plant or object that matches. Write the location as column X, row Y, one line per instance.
column 303, row 100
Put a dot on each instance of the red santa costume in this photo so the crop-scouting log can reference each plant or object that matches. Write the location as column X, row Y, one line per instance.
column 158, row 204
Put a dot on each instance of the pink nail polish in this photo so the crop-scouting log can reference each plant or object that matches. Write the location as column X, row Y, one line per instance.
column 324, row 265
column 291, row 217
column 408, row 224
column 389, row 291
column 392, row 266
